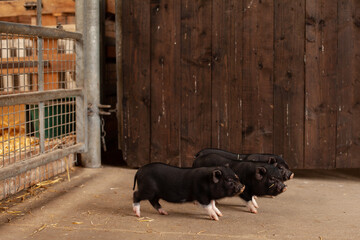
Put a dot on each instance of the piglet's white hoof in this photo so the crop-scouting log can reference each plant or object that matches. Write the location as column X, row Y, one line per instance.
column 251, row 207
column 212, row 214
column 214, row 217
column 136, row 209
column 162, row 211
column 254, row 211
column 217, row 211
column 254, row 202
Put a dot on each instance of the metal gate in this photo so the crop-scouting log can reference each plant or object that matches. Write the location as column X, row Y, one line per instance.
column 42, row 102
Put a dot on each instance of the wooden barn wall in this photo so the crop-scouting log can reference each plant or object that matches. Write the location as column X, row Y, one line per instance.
column 247, row 76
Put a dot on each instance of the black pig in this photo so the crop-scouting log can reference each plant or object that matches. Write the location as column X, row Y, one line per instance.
column 257, row 157
column 259, row 178
column 160, row 181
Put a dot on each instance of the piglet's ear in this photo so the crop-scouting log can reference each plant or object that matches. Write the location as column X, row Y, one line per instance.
column 272, row 160
column 260, row 172
column 216, row 175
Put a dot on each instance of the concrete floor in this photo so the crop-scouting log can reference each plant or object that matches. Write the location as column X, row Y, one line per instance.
column 96, row 204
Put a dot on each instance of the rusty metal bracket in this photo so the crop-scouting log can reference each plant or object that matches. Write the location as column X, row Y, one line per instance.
column 101, row 109
column 105, row 109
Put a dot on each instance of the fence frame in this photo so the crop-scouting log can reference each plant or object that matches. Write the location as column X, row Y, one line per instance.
column 41, row 96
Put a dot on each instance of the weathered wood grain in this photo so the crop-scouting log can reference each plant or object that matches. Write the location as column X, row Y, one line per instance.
column 289, row 81
column 246, row 76
column 136, row 74
column 258, row 35
column 195, row 78
column 348, row 84
column 165, row 82
column 226, row 73
column 320, row 84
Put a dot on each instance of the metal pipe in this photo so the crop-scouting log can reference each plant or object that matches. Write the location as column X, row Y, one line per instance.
column 38, row 12
column 40, row 53
column 35, row 97
column 34, row 162
column 81, row 102
column 17, row 28
column 92, row 158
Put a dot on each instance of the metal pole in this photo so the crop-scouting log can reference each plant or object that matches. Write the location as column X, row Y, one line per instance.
column 92, row 158
column 41, row 80
column 81, row 102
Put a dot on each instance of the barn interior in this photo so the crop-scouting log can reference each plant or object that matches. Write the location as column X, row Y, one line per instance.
column 93, row 90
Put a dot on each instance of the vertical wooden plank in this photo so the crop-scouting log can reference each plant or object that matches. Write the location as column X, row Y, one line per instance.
column 348, row 128
column 195, row 78
column 258, row 76
column 355, row 153
column 320, row 84
column 289, row 81
column 165, row 81
column 227, row 75
column 136, row 74
column 119, row 73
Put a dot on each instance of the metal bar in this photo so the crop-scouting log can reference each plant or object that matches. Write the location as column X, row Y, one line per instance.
column 92, row 158
column 22, row 64
column 44, row 32
column 42, row 127
column 119, row 85
column 102, row 8
column 35, row 97
column 104, row 106
column 23, row 166
column 81, row 102
column 38, row 12
column 40, row 79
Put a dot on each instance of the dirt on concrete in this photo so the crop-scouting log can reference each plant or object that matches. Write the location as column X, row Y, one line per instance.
column 97, row 204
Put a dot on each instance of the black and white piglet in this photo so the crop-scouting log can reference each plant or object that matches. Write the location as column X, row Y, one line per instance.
column 256, row 157
column 160, row 181
column 259, row 178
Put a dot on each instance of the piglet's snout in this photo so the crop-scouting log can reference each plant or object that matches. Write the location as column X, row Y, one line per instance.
column 238, row 187
column 283, row 189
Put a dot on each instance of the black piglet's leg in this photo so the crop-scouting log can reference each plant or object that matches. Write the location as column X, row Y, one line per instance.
column 209, row 205
column 247, row 196
column 155, row 203
column 136, row 203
